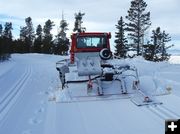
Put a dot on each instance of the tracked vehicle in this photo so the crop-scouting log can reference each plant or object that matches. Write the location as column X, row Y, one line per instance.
column 92, row 73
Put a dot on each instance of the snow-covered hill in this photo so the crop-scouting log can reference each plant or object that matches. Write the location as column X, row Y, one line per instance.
column 27, row 80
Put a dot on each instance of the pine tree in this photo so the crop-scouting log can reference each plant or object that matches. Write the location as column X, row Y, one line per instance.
column 62, row 29
column 121, row 41
column 165, row 38
column 61, row 43
column 22, row 39
column 18, row 46
column 8, row 30
column 1, row 52
column 30, row 33
column 78, row 22
column 1, row 30
column 22, row 33
column 47, row 37
column 152, row 49
column 38, row 39
column 27, row 35
column 6, row 43
column 139, row 22
column 157, row 51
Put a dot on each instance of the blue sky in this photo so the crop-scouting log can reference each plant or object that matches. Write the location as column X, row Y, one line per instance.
column 100, row 15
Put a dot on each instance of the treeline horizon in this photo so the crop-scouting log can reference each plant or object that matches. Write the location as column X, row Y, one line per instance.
column 40, row 39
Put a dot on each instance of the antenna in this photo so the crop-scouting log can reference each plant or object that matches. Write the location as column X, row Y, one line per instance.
column 62, row 15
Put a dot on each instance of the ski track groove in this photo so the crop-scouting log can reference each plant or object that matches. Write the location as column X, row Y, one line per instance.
column 160, row 110
column 163, row 112
column 16, row 90
column 167, row 112
column 154, row 111
column 178, row 115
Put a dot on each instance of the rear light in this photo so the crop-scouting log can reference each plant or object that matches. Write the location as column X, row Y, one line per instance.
column 109, row 35
column 72, row 57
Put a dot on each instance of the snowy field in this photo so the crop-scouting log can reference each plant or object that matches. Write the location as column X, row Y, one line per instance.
column 27, row 81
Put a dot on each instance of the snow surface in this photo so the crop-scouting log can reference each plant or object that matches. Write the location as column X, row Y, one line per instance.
column 28, row 83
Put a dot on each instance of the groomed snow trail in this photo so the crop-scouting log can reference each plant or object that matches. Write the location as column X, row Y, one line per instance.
column 29, row 80
column 24, row 91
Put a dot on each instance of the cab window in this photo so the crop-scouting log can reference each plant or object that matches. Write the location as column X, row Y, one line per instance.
column 91, row 42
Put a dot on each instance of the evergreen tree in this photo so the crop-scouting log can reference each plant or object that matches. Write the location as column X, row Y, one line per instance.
column 7, row 37
column 27, row 35
column 6, row 41
column 1, row 52
column 151, row 49
column 38, row 39
column 18, row 46
column 139, row 22
column 47, row 38
column 61, row 43
column 1, row 30
column 22, row 33
column 121, row 41
column 157, row 51
column 8, row 30
column 30, row 33
column 22, row 39
column 78, row 22
column 165, row 38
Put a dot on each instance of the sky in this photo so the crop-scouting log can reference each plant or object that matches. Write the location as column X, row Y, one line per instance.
column 100, row 15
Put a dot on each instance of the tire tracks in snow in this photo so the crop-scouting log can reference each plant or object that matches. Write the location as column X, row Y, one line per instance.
column 10, row 98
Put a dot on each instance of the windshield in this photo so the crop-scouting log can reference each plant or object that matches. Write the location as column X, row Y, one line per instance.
column 91, row 42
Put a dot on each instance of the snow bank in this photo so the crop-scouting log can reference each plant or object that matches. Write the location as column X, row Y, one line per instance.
column 174, row 60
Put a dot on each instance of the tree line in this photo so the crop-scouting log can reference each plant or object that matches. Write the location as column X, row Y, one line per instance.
column 39, row 40
column 129, row 38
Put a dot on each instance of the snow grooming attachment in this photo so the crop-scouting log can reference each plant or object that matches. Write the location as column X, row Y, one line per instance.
column 92, row 74
column 146, row 92
column 141, row 99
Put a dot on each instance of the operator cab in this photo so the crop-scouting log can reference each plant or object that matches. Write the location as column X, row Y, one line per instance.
column 85, row 42
column 89, row 45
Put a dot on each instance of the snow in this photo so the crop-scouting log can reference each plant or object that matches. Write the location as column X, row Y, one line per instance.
column 29, row 84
